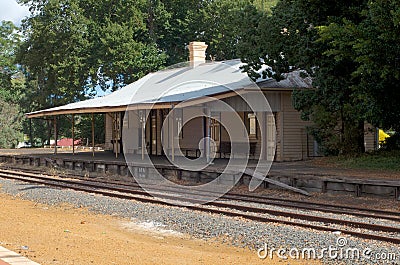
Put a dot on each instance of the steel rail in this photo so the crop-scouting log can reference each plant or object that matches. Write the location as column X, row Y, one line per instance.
column 129, row 194
column 266, row 200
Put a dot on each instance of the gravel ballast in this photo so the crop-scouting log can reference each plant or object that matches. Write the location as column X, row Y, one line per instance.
column 238, row 232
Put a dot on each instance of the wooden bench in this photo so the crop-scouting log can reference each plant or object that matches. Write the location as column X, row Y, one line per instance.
column 185, row 151
column 226, row 148
column 193, row 150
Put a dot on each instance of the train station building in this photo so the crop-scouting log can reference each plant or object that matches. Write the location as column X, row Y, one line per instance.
column 159, row 113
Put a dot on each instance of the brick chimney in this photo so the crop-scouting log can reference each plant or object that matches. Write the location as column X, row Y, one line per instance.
column 197, row 52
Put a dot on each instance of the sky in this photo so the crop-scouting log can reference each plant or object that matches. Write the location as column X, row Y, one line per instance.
column 11, row 10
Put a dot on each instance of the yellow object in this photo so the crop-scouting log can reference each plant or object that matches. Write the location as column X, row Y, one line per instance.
column 382, row 136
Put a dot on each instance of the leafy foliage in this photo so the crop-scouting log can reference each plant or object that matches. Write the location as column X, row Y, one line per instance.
column 218, row 23
column 10, row 124
column 377, row 52
column 265, row 5
column 370, row 44
column 120, row 46
column 221, row 15
column 82, row 127
column 174, row 25
column 9, row 41
column 72, row 46
column 10, row 89
column 350, row 50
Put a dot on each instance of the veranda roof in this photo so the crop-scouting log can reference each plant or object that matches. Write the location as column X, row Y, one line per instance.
column 170, row 86
column 163, row 87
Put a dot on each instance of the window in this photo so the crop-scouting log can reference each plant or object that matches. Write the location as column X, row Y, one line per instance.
column 251, row 125
column 215, row 129
column 179, row 127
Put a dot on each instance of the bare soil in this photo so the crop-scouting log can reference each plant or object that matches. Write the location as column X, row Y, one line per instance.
column 66, row 235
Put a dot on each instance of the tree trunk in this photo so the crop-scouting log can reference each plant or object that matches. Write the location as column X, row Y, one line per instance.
column 150, row 19
column 360, row 137
column 342, row 133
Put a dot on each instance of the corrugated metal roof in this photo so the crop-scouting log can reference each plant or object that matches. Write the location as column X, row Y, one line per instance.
column 292, row 80
column 173, row 85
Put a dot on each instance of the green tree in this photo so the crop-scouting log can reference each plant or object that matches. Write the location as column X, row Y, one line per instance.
column 54, row 52
column 84, row 123
column 377, row 52
column 175, row 25
column 265, row 5
column 219, row 23
column 10, row 89
column 290, row 39
column 220, row 27
column 9, row 41
column 372, row 45
column 10, row 124
column 121, row 49
column 71, row 47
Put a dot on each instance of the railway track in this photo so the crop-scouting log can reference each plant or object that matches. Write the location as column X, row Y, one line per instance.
column 229, row 208
column 268, row 200
column 289, row 203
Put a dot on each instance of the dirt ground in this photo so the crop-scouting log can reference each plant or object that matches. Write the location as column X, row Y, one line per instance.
column 64, row 235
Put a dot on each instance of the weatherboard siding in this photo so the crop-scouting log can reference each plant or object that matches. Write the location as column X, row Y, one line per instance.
column 370, row 138
column 108, row 132
column 293, row 132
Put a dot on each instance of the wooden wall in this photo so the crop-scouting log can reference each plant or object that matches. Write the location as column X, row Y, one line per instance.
column 292, row 141
column 292, row 132
column 130, row 135
column 108, row 132
column 370, row 137
column 192, row 132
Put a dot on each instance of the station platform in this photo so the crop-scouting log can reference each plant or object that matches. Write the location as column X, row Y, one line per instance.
column 8, row 257
column 306, row 175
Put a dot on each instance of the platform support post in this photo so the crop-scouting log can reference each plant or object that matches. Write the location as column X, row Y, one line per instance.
column 208, row 130
column 173, row 135
column 116, row 140
column 30, row 132
column 73, row 134
column 143, row 128
column 92, row 134
column 55, row 134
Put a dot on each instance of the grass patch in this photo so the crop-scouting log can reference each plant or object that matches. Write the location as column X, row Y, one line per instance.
column 379, row 160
